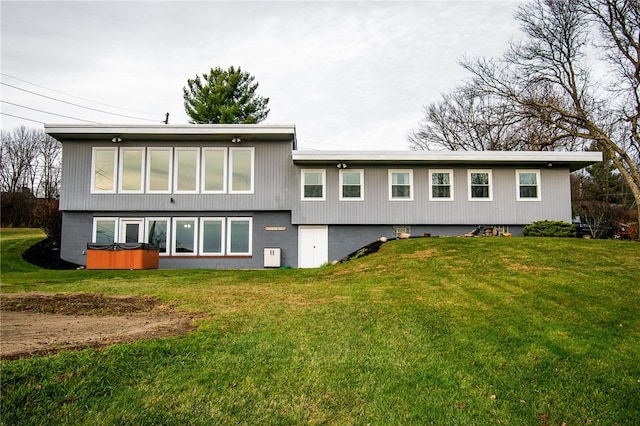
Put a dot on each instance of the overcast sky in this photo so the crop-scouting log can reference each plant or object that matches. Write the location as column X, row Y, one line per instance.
column 349, row 75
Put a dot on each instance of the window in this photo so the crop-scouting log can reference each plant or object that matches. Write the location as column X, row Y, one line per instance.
column 241, row 175
column 103, row 169
column 187, row 170
column 131, row 231
column 211, row 236
column 214, row 170
column 239, row 238
column 131, row 166
column 157, row 234
column 351, row 185
column 528, row 185
column 313, row 183
column 400, row 185
column 480, row 185
column 159, row 170
column 441, row 183
column 184, row 236
column 104, row 230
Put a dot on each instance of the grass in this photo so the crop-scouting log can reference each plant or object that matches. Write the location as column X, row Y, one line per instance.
column 427, row 331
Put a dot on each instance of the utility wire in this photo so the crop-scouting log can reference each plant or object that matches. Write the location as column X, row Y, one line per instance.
column 77, row 105
column 79, row 97
column 47, row 112
column 21, row 118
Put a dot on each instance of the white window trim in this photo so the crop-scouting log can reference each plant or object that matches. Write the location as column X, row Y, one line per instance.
column 176, row 170
column 538, row 187
column 242, row 219
column 127, row 220
column 223, row 243
column 195, row 236
column 340, row 185
column 390, row 175
column 146, row 232
column 225, row 169
column 100, row 219
column 114, row 172
column 121, row 170
column 230, row 168
column 451, row 196
column 324, row 184
column 148, row 173
column 490, row 174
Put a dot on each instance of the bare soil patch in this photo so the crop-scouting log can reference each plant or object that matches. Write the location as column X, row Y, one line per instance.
column 40, row 324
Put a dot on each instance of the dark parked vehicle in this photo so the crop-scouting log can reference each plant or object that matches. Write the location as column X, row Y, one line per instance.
column 590, row 228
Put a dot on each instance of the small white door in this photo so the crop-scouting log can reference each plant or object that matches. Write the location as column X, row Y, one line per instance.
column 131, row 231
column 313, row 246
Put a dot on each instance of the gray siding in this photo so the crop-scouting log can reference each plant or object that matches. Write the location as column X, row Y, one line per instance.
column 273, row 170
column 376, row 208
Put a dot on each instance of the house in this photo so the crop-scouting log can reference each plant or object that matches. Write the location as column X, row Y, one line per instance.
column 244, row 196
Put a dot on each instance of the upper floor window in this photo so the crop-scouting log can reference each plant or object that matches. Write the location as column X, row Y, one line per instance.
column 351, row 185
column 401, row 185
column 313, row 184
column 480, row 185
column 214, row 170
column 241, row 174
column 441, row 183
column 187, row 169
column 103, row 169
column 528, row 185
column 159, row 169
column 131, row 169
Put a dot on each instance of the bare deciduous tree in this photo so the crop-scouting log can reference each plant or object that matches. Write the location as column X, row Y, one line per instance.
column 18, row 165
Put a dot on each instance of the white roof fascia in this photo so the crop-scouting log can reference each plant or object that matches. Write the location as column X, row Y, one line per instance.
column 171, row 129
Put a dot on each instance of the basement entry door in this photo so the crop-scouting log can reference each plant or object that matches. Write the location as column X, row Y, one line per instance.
column 313, row 246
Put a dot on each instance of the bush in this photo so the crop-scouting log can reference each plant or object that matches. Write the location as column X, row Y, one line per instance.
column 549, row 228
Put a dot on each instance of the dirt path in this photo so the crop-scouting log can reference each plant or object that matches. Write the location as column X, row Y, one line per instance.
column 38, row 323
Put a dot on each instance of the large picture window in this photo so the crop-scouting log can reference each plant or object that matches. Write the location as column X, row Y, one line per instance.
column 239, row 239
column 159, row 170
column 212, row 236
column 400, row 185
column 528, row 185
column 441, row 183
column 214, row 170
column 185, row 231
column 241, row 174
column 157, row 234
column 103, row 169
column 187, row 170
column 313, row 184
column 131, row 169
column 351, row 185
column 480, row 185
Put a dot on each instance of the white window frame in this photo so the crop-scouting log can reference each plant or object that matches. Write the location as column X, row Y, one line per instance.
column 230, row 168
column 148, row 174
column 223, row 240
column 341, row 185
column 390, row 175
column 114, row 172
column 124, row 221
column 490, row 175
column 176, row 170
column 174, row 222
column 323, row 172
column 228, row 232
column 168, row 241
column 538, row 196
column 101, row 219
column 225, row 170
column 451, row 196
column 121, row 170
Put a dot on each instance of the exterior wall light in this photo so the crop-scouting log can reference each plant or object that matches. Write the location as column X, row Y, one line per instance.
column 341, row 165
column 236, row 140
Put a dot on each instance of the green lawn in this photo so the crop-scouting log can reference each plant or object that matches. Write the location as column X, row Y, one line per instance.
column 517, row 331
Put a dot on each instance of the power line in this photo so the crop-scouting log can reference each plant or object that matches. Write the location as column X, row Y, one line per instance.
column 21, row 118
column 78, row 97
column 47, row 112
column 77, row 105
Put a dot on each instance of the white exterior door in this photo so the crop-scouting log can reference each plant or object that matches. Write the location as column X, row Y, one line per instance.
column 313, row 246
column 131, row 231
